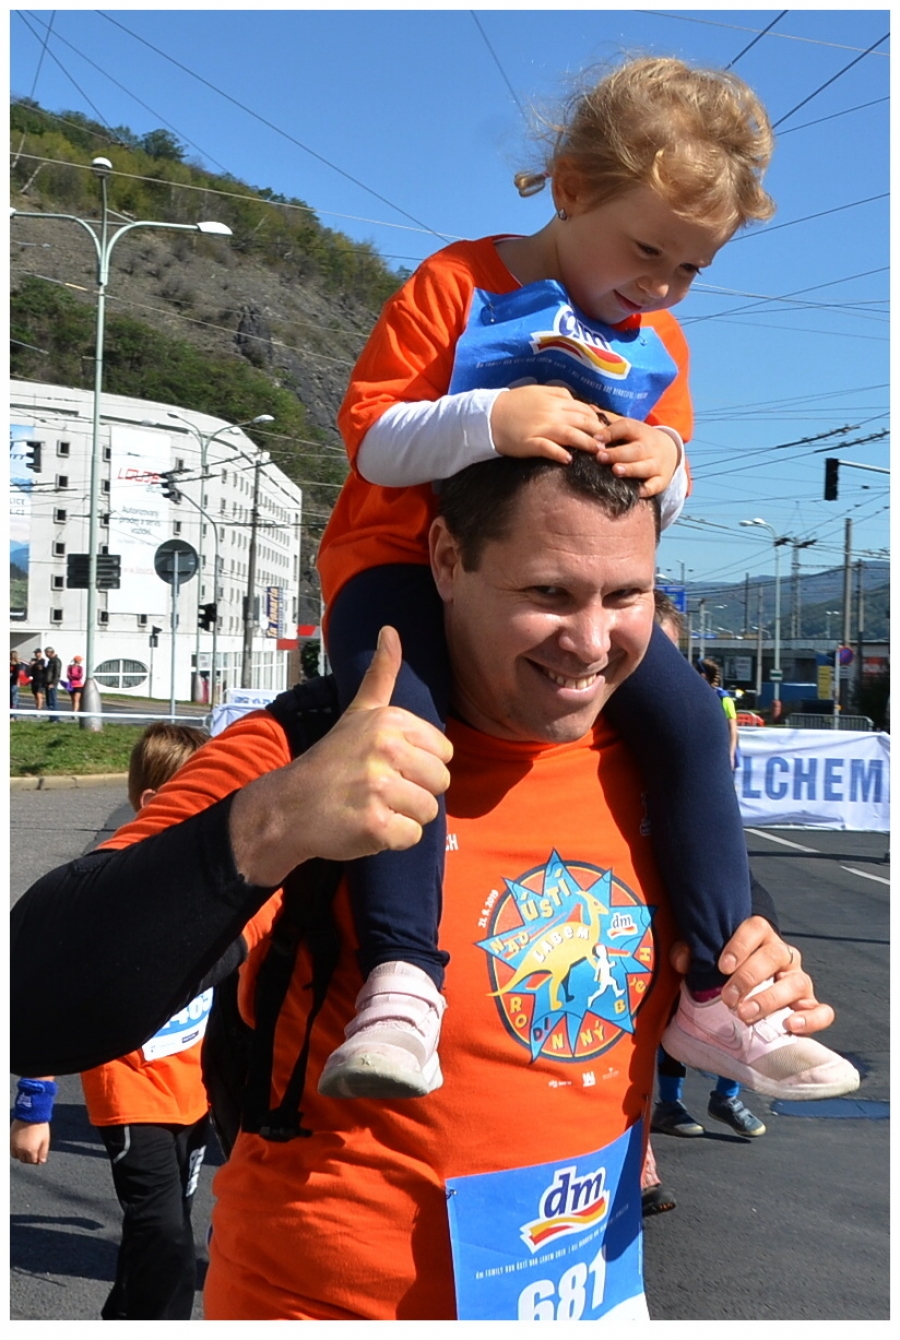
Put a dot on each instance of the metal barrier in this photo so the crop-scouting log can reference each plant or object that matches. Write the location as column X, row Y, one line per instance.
column 61, row 714
column 819, row 721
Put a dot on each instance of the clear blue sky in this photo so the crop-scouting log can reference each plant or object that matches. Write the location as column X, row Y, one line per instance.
column 379, row 118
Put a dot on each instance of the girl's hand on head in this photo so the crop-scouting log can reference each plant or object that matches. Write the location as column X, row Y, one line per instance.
column 543, row 421
column 637, row 450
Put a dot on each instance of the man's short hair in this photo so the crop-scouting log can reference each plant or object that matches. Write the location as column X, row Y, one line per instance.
column 477, row 503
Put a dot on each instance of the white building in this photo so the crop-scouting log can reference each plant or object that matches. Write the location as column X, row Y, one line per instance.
column 139, row 441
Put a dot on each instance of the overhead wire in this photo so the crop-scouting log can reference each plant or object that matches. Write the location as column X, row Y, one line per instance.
column 503, row 75
column 743, row 28
column 828, row 82
column 272, row 126
column 759, row 35
column 130, row 91
column 758, row 38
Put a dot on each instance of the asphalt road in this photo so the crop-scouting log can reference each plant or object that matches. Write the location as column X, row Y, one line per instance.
column 793, row 1225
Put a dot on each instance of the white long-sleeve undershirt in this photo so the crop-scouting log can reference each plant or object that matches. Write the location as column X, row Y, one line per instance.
column 424, row 440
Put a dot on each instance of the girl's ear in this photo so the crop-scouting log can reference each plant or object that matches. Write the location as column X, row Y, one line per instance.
column 567, row 186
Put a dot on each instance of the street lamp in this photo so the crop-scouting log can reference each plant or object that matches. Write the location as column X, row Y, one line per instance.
column 828, row 614
column 103, row 245
column 205, row 439
column 776, row 542
column 247, row 651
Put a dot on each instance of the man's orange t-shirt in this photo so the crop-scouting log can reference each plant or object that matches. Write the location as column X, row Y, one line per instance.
column 352, row 1222
column 409, row 357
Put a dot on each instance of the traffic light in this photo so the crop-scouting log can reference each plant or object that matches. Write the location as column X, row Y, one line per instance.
column 33, row 456
column 109, row 571
column 208, row 616
column 169, row 488
column 831, row 478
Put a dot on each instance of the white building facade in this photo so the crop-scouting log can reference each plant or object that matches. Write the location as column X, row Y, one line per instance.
column 218, row 466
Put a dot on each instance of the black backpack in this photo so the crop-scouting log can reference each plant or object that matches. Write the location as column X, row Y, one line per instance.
column 237, row 1059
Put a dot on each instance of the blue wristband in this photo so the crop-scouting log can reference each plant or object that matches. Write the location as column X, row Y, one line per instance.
column 34, row 1100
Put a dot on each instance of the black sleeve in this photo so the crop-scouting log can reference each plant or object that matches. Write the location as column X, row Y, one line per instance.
column 762, row 904
column 107, row 948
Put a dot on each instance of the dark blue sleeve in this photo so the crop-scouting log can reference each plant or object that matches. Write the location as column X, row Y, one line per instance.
column 677, row 730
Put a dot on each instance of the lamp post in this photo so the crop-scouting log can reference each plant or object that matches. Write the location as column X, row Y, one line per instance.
column 776, row 542
column 215, row 628
column 104, row 241
column 205, row 440
column 247, row 654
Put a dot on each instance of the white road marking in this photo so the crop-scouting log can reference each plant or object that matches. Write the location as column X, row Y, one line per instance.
column 865, row 874
column 759, row 832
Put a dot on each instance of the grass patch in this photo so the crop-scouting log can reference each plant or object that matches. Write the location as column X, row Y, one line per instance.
column 49, row 749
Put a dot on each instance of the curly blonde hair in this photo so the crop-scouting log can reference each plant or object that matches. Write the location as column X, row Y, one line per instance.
column 700, row 138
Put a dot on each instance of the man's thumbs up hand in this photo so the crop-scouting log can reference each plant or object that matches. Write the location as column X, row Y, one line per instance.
column 368, row 786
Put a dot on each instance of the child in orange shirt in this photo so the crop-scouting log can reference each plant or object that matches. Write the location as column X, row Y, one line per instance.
column 534, row 346
column 151, row 1110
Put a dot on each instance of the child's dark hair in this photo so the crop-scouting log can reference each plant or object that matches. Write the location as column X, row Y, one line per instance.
column 158, row 755
column 667, row 612
column 700, row 138
column 711, row 672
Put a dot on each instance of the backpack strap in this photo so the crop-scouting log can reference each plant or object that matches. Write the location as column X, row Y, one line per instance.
column 306, row 713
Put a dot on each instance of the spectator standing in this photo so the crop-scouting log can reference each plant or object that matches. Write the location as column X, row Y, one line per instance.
column 54, row 674
column 16, row 669
column 37, row 673
column 75, row 677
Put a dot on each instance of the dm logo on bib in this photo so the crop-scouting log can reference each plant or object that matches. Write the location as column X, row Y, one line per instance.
column 572, row 338
column 570, row 1204
column 570, row 958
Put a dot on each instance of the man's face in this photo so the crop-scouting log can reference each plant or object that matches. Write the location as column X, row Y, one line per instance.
column 556, row 616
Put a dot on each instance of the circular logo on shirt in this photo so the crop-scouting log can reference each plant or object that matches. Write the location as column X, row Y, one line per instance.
column 570, row 958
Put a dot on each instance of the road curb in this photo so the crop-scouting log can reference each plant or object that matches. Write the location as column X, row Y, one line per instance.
column 61, row 782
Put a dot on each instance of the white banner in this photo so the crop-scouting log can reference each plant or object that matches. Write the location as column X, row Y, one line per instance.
column 815, row 778
column 139, row 518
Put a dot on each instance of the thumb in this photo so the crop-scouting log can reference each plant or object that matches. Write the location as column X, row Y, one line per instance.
column 381, row 676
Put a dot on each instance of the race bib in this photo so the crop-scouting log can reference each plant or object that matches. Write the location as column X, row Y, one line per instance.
column 536, row 334
column 553, row 1242
column 184, row 1029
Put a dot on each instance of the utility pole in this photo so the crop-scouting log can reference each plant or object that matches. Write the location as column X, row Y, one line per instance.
column 759, row 642
column 746, row 627
column 796, row 620
column 247, row 657
column 860, row 632
column 848, row 586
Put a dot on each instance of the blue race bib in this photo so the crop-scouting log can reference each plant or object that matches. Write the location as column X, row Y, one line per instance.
column 536, row 334
column 185, row 1029
column 553, row 1242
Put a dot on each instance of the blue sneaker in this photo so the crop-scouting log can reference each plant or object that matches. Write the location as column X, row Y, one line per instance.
column 734, row 1114
column 673, row 1118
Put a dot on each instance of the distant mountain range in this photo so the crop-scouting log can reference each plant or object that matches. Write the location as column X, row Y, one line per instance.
column 821, row 597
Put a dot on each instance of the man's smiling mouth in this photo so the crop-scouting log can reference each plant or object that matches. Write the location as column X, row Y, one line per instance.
column 568, row 682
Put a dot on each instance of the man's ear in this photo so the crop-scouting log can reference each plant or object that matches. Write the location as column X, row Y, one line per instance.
column 445, row 559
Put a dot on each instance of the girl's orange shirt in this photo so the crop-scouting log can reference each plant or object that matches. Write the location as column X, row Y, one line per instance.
column 409, row 357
